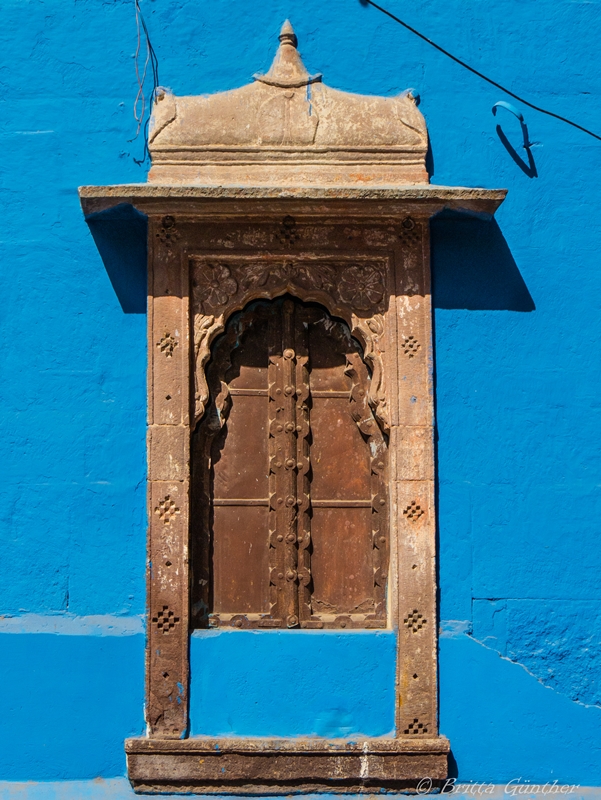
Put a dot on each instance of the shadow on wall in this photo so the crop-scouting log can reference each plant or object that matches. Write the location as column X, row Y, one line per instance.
column 472, row 266
column 120, row 236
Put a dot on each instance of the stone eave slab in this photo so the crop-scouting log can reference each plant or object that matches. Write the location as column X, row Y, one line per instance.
column 423, row 200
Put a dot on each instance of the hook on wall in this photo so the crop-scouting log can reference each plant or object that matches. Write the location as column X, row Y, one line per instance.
column 529, row 168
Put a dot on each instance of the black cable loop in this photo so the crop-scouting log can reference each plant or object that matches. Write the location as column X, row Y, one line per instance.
column 476, row 72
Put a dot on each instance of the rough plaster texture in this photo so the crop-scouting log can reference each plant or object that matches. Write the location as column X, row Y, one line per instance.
column 517, row 361
column 555, row 642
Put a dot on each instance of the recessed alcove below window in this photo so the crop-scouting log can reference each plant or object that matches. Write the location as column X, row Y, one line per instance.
column 281, row 683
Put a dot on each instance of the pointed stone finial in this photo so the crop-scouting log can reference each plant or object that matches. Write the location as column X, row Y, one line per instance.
column 288, row 35
column 287, row 70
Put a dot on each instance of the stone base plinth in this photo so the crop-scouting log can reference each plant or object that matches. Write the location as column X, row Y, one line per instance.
column 281, row 766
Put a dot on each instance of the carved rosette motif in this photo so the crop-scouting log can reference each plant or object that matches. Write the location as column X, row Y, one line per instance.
column 361, row 287
column 354, row 290
column 215, row 285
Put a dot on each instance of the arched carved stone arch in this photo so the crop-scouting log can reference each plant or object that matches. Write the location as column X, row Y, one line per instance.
column 353, row 289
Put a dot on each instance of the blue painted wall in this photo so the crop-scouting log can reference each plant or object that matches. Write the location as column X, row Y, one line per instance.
column 345, row 680
column 518, row 340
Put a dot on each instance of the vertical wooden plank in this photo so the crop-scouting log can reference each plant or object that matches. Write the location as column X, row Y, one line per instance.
column 276, row 465
column 303, row 487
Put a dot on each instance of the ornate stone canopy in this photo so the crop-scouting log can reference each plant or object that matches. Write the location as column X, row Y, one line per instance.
column 288, row 127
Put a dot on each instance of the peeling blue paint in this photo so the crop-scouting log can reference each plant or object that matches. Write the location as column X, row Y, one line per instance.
column 514, row 720
column 451, row 628
column 558, row 642
column 71, row 625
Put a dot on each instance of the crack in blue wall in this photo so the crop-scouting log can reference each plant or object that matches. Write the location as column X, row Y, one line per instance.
column 556, row 641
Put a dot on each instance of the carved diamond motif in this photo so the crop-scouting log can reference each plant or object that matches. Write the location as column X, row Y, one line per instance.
column 410, row 232
column 167, row 510
column 413, row 511
column 415, row 727
column 410, row 346
column 165, row 620
column 415, row 621
column 287, row 234
column 167, row 345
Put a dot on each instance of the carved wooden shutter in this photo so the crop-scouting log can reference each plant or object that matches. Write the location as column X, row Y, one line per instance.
column 289, row 502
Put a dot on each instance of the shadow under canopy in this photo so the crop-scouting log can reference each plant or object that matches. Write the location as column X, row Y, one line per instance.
column 472, row 266
column 120, row 234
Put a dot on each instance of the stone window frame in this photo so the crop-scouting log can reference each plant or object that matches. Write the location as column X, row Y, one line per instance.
column 392, row 224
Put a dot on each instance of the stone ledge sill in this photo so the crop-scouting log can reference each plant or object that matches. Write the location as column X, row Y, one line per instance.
column 279, row 766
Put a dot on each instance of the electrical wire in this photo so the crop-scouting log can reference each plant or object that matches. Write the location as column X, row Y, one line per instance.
column 140, row 96
column 140, row 103
column 476, row 72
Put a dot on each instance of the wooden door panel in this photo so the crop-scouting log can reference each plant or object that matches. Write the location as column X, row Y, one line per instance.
column 249, row 361
column 241, row 465
column 328, row 341
column 340, row 459
column 341, row 565
column 240, row 559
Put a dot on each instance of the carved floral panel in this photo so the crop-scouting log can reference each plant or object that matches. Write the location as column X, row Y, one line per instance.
column 353, row 288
